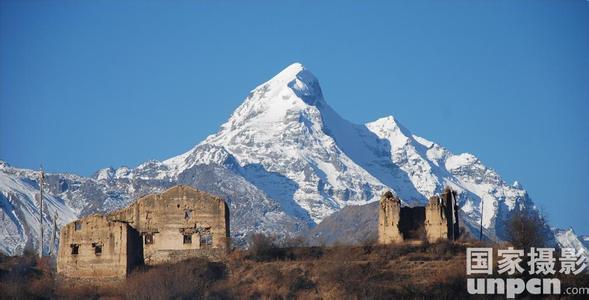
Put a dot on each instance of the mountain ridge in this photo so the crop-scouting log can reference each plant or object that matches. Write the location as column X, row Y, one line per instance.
column 285, row 161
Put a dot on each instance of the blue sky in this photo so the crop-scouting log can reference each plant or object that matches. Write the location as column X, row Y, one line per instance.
column 90, row 84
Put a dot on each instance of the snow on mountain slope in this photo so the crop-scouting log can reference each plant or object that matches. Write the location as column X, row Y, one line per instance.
column 73, row 196
column 585, row 240
column 285, row 160
column 430, row 167
column 19, row 217
column 277, row 135
column 568, row 239
column 285, row 127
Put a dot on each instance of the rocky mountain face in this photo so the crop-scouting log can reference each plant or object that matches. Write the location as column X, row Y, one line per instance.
column 352, row 225
column 585, row 240
column 284, row 161
column 568, row 239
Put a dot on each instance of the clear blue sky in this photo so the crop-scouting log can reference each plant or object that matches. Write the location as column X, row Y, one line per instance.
column 90, row 84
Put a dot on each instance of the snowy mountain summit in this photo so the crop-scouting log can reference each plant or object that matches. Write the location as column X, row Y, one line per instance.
column 291, row 144
column 284, row 161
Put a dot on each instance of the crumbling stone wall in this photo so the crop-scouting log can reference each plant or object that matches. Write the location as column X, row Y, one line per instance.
column 388, row 219
column 179, row 223
column 95, row 247
column 437, row 220
column 442, row 216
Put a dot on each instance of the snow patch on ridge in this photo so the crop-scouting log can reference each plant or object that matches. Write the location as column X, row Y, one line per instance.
column 566, row 238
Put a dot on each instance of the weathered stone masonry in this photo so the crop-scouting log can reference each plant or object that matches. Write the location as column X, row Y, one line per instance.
column 437, row 220
column 179, row 223
column 96, row 247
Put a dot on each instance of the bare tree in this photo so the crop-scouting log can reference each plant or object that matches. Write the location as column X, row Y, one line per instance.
column 526, row 229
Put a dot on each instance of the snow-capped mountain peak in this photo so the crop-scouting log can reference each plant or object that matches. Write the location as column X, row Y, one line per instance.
column 585, row 240
column 295, row 76
column 566, row 238
column 390, row 129
column 105, row 174
column 282, row 126
column 284, row 160
column 291, row 91
column 324, row 162
column 4, row 165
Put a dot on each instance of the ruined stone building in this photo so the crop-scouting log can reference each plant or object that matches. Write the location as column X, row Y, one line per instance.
column 437, row 220
column 96, row 247
column 179, row 223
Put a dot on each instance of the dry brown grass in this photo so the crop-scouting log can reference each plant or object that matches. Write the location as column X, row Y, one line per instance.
column 26, row 277
column 268, row 271
column 189, row 279
column 414, row 270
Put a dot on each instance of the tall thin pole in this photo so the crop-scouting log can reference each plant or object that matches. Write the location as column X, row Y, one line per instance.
column 453, row 205
column 41, row 183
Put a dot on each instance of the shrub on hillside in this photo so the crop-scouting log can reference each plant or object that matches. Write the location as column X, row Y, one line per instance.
column 189, row 279
column 526, row 229
column 25, row 276
column 262, row 248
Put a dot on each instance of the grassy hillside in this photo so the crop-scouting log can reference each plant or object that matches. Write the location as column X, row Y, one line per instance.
column 265, row 271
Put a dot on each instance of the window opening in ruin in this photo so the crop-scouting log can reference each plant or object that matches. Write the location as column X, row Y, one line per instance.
column 187, row 214
column 178, row 206
column 75, row 249
column 77, row 225
column 97, row 248
column 148, row 239
column 206, row 238
column 187, row 238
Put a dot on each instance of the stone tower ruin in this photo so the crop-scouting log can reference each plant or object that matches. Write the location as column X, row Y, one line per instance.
column 437, row 220
column 441, row 216
column 388, row 219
